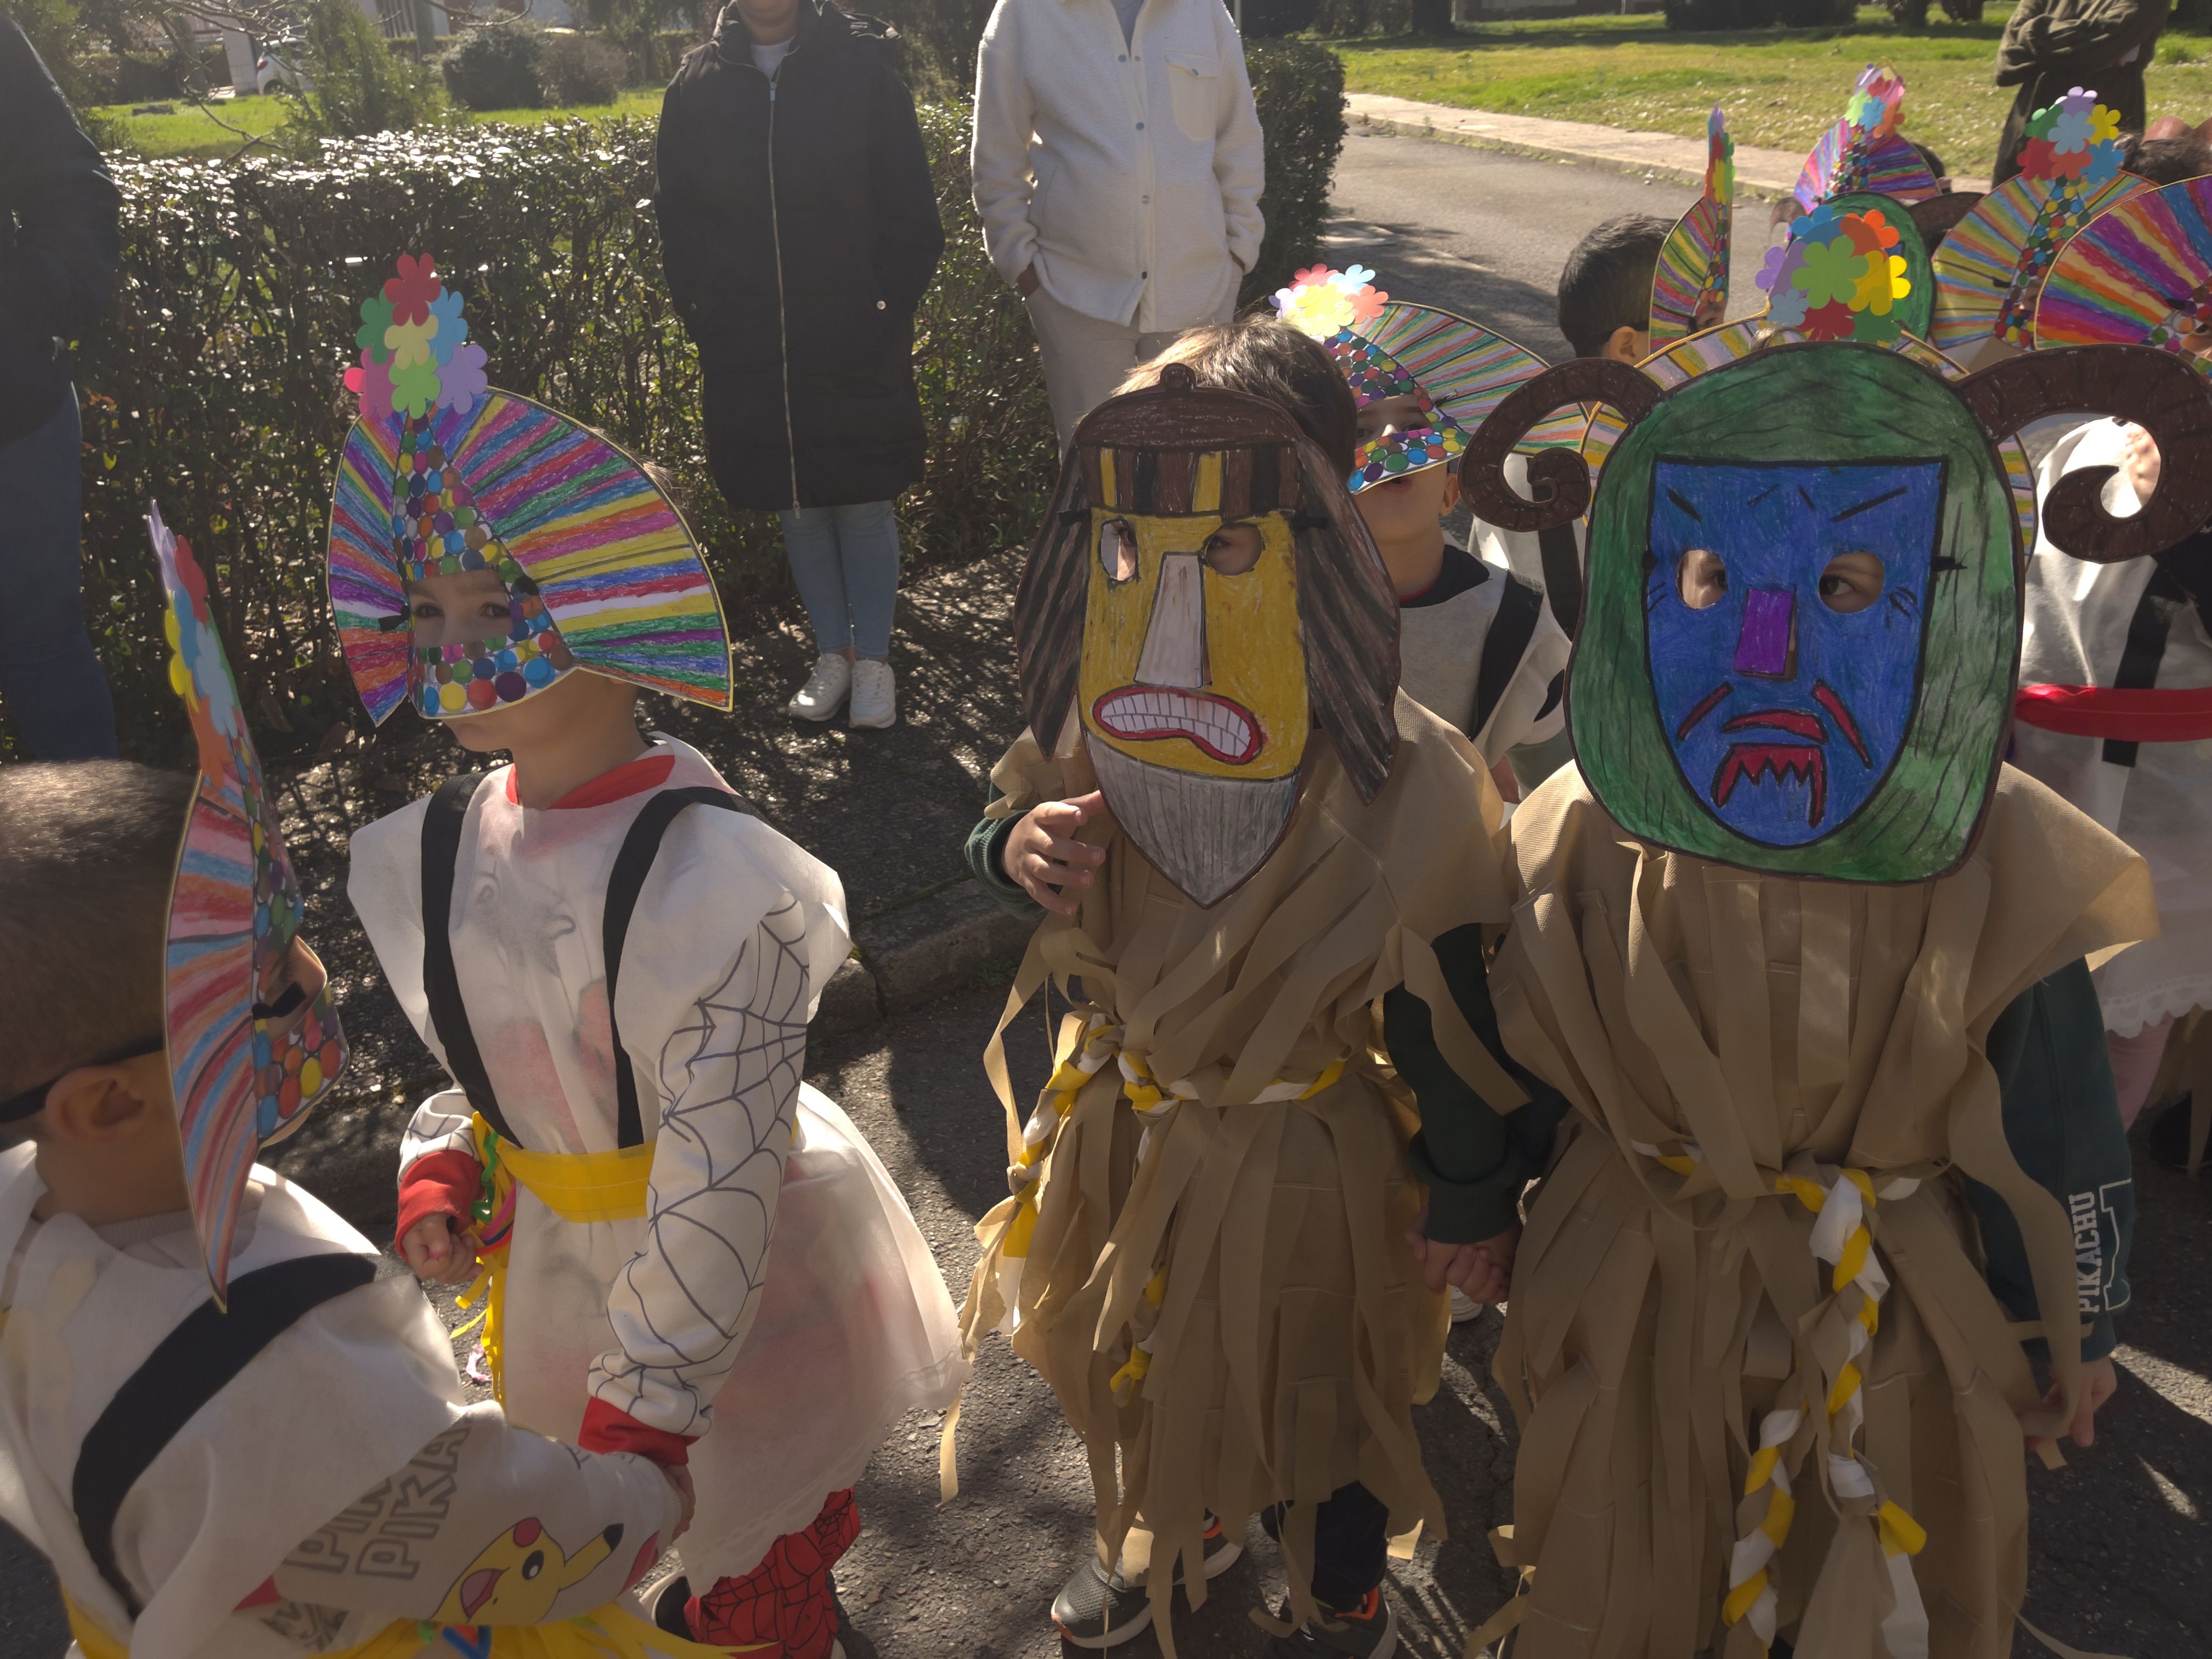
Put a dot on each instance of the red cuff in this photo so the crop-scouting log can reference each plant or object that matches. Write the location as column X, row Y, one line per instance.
column 439, row 1183
column 611, row 1429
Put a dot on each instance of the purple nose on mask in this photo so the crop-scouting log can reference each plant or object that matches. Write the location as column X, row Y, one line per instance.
column 1763, row 647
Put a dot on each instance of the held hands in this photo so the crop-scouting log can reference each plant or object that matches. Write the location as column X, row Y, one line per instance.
column 2139, row 465
column 1043, row 857
column 1484, row 1272
column 437, row 1254
column 2098, row 1380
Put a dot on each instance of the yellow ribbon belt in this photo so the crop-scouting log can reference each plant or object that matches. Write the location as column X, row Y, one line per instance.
column 578, row 1187
column 609, row 1633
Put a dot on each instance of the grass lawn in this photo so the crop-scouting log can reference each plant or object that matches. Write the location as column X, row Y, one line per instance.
column 1781, row 88
column 223, row 129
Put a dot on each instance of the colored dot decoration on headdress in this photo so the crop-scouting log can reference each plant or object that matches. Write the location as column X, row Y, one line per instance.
column 1837, row 277
column 1690, row 281
column 1864, row 151
column 443, row 476
column 2140, row 274
column 1991, row 267
column 244, row 1066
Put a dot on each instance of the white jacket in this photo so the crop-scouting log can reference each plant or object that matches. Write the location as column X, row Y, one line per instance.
column 1127, row 173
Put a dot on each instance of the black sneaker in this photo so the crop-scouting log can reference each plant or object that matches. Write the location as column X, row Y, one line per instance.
column 1369, row 1631
column 1098, row 1609
column 671, row 1607
column 2167, row 1141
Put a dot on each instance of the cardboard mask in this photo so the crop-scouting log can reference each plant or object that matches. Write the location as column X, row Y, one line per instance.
column 1803, row 614
column 1864, row 151
column 252, row 1039
column 2140, row 274
column 1202, row 594
column 1434, row 375
column 443, row 477
column 1690, row 284
column 1991, row 267
column 1854, row 267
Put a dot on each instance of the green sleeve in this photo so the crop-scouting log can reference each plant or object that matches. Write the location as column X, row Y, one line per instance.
column 985, row 842
column 2061, row 1120
column 1474, row 1159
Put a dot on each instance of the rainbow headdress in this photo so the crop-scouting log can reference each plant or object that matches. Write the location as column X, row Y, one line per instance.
column 1690, row 285
column 1854, row 267
column 1991, row 270
column 442, row 475
column 2140, row 274
column 1864, row 151
column 1455, row 372
column 250, row 1047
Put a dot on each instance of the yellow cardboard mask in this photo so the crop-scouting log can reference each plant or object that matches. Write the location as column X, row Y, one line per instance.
column 1204, row 593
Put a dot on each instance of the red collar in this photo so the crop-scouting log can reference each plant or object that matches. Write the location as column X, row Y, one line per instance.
column 631, row 778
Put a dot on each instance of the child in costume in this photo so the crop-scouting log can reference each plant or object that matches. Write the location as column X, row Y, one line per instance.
column 616, row 961
column 287, row 1467
column 1476, row 645
column 1214, row 1249
column 1809, row 963
column 2115, row 705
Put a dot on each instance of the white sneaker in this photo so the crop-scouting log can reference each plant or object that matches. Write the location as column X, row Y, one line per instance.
column 1463, row 1306
column 825, row 691
column 875, row 702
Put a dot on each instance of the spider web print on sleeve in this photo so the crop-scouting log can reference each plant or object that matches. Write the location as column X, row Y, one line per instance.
column 729, row 1084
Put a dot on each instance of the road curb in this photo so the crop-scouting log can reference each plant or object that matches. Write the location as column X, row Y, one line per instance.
column 942, row 941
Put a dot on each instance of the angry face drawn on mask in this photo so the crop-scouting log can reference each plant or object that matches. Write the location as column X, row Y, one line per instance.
column 1785, row 624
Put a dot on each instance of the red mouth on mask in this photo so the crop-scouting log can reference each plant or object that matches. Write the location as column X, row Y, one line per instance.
column 1225, row 731
column 1754, row 762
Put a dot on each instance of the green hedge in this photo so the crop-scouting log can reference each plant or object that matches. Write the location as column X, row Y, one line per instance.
column 215, row 387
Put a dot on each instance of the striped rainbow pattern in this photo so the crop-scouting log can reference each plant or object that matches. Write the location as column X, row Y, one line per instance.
column 619, row 571
column 1716, row 347
column 1693, row 260
column 1464, row 367
column 1989, row 269
column 1863, row 151
column 2119, row 282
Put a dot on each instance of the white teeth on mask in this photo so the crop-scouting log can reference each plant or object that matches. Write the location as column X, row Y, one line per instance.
column 1154, row 711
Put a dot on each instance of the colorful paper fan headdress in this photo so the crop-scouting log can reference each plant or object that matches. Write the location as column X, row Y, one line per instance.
column 249, row 1050
column 1864, row 151
column 2140, row 274
column 1454, row 370
column 1990, row 269
column 443, row 475
column 1854, row 267
column 1690, row 286
column 1797, row 649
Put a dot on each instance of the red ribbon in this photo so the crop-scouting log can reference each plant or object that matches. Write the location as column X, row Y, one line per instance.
column 2129, row 715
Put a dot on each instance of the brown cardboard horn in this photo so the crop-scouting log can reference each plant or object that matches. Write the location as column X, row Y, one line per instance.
column 1936, row 216
column 2157, row 391
column 1558, row 477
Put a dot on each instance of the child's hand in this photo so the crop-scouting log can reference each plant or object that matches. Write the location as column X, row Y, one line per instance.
column 2139, row 464
column 1042, row 857
column 680, row 1478
column 1483, row 1272
column 2098, row 1381
column 437, row 1254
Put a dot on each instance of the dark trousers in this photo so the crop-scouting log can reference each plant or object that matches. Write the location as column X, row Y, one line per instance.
column 1350, row 1542
column 51, row 681
column 2117, row 89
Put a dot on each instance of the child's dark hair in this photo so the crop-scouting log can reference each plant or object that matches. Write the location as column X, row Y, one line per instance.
column 1931, row 160
column 2170, row 161
column 1606, row 284
column 1262, row 357
column 87, row 851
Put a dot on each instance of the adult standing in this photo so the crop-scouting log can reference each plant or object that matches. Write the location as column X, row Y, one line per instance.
column 60, row 243
column 1118, row 169
column 798, row 232
column 2052, row 46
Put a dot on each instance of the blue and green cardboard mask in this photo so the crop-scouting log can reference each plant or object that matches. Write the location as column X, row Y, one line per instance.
column 1803, row 623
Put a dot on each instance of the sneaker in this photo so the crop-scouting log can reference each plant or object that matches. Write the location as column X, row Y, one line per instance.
column 1097, row 1609
column 1463, row 1306
column 1369, row 1631
column 668, row 1608
column 825, row 691
column 874, row 694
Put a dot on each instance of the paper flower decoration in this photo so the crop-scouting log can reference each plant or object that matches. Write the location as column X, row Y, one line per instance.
column 1323, row 303
column 415, row 354
column 2068, row 139
column 1836, row 278
column 1864, row 151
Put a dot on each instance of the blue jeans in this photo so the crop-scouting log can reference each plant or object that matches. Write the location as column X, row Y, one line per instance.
column 845, row 562
column 50, row 679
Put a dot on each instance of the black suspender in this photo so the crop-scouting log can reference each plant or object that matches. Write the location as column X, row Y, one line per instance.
column 449, row 1014
column 187, row 1369
column 441, row 985
column 1511, row 627
column 2145, row 648
column 1563, row 575
column 639, row 849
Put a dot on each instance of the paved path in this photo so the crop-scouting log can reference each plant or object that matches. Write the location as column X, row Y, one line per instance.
column 2123, row 1551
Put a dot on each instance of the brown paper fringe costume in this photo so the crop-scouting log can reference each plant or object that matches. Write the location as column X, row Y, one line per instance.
column 1207, row 1237
column 1726, row 1041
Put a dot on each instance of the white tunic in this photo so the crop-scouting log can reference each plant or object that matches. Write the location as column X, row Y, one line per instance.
column 342, row 1461
column 676, row 1318
column 2077, row 620
column 1440, row 659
